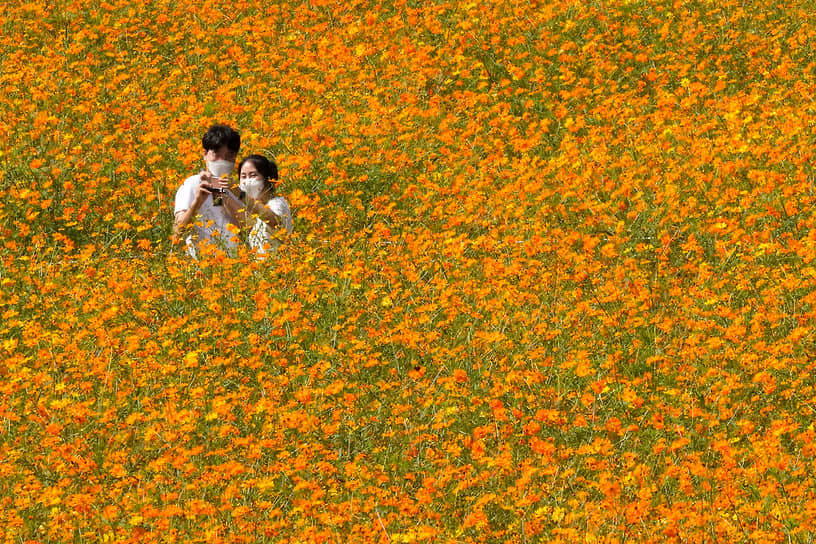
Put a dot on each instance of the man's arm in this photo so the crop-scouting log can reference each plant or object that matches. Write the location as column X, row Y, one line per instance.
column 184, row 218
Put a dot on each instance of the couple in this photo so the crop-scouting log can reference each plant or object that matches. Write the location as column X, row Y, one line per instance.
column 210, row 210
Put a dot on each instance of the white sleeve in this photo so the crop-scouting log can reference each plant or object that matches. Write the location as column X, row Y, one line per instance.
column 185, row 195
column 280, row 207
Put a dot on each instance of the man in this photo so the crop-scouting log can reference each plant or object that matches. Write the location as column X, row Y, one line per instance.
column 205, row 207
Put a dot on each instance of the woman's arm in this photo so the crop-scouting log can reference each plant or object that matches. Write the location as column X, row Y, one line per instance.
column 259, row 208
column 235, row 207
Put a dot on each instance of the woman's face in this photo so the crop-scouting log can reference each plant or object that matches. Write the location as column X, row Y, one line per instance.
column 250, row 180
column 248, row 172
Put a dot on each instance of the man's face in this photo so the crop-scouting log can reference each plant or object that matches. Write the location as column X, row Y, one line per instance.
column 223, row 153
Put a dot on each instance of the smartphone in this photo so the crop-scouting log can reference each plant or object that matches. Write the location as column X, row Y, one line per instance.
column 217, row 198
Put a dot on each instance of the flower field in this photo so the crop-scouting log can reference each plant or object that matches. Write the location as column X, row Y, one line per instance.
column 552, row 277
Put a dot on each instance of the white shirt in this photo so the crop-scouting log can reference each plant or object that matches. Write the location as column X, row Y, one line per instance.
column 262, row 236
column 212, row 224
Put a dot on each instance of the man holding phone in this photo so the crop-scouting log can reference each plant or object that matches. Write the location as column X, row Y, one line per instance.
column 208, row 195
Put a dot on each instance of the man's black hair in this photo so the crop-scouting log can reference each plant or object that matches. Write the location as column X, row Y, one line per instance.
column 221, row 135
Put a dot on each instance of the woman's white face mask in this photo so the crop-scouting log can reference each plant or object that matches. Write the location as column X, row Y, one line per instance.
column 252, row 186
column 220, row 168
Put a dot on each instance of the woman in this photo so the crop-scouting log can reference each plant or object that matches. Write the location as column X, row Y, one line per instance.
column 256, row 178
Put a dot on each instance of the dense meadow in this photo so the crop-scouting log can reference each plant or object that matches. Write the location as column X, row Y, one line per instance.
column 552, row 276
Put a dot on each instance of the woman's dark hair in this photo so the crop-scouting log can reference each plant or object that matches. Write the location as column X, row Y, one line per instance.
column 268, row 169
column 221, row 135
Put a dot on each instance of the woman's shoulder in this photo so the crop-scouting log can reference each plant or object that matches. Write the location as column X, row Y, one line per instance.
column 280, row 207
column 277, row 203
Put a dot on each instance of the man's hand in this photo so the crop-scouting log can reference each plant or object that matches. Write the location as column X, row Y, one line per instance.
column 184, row 218
column 209, row 180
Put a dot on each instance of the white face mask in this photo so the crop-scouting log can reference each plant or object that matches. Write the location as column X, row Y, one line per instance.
column 220, row 168
column 252, row 186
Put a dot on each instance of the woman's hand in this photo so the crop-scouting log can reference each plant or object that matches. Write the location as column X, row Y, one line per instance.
column 257, row 207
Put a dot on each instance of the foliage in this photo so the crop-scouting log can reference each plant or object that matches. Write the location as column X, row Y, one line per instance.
column 551, row 277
